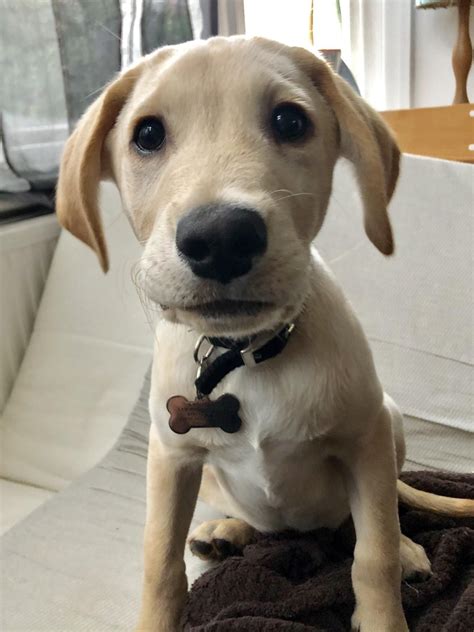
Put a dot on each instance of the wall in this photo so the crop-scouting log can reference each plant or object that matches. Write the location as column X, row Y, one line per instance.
column 434, row 33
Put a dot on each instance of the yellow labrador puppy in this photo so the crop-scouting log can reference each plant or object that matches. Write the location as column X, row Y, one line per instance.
column 223, row 152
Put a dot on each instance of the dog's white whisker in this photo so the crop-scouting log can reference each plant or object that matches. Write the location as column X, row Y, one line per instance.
column 144, row 299
column 292, row 195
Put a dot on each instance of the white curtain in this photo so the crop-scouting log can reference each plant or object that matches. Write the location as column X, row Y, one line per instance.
column 376, row 39
column 377, row 46
column 282, row 20
column 231, row 20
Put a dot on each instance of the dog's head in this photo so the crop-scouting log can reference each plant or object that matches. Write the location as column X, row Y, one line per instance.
column 223, row 152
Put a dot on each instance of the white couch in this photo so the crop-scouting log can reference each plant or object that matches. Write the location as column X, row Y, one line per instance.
column 75, row 562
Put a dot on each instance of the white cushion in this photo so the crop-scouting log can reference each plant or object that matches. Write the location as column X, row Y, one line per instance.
column 17, row 501
column 85, row 363
column 416, row 306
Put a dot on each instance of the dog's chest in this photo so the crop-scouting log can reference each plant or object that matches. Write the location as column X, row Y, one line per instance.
column 279, row 479
column 273, row 470
column 277, row 468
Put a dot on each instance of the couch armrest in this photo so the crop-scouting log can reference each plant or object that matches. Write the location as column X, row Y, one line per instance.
column 26, row 249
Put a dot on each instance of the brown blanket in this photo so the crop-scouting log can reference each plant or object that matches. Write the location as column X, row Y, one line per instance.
column 301, row 582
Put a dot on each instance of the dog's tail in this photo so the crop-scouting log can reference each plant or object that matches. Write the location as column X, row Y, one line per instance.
column 444, row 505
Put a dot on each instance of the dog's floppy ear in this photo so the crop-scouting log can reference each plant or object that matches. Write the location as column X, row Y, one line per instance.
column 366, row 141
column 82, row 166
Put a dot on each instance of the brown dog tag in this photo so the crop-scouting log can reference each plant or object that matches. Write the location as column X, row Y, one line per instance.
column 204, row 413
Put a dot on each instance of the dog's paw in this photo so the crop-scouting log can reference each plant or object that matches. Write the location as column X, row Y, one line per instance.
column 415, row 563
column 218, row 539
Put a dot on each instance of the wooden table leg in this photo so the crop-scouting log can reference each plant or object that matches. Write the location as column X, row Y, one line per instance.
column 462, row 52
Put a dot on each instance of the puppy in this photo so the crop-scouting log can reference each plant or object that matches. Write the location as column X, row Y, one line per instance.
column 223, row 152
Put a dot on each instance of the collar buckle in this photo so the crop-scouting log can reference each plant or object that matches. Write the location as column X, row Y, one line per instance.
column 201, row 360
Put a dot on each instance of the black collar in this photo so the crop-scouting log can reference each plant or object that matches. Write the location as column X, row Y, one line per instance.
column 247, row 352
column 233, row 343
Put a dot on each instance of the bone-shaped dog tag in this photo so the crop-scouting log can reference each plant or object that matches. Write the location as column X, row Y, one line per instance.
column 204, row 413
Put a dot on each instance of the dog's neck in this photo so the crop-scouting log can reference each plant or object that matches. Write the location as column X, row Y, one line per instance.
column 262, row 348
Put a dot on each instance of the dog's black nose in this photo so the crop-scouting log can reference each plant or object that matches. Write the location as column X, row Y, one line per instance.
column 221, row 241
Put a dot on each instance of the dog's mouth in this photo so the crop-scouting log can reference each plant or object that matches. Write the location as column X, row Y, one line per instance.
column 229, row 317
column 227, row 308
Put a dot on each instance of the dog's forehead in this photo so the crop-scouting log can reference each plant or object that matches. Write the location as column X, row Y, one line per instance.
column 233, row 58
column 219, row 68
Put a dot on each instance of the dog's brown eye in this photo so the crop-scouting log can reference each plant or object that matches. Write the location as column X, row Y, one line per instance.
column 149, row 135
column 289, row 123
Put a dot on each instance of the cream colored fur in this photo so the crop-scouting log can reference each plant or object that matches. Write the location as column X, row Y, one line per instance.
column 320, row 439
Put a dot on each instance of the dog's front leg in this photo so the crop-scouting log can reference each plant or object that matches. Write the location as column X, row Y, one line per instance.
column 173, row 480
column 376, row 572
